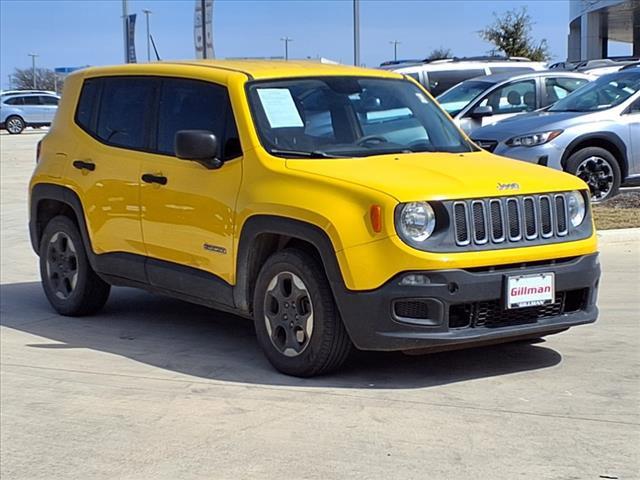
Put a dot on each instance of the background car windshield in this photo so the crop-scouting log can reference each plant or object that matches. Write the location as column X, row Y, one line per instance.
column 350, row 116
column 458, row 97
column 606, row 92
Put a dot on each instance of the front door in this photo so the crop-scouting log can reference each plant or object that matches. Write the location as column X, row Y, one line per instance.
column 187, row 209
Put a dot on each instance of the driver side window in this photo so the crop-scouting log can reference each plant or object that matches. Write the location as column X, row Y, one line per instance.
column 512, row 98
column 635, row 108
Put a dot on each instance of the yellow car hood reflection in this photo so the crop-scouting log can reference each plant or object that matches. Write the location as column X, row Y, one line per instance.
column 435, row 176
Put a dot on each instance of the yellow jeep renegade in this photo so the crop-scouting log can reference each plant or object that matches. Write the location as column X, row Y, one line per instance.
column 336, row 206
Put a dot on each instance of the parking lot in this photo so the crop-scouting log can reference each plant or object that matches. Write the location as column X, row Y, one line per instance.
column 156, row 388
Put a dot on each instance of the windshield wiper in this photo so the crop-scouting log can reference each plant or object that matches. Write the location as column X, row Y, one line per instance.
column 305, row 153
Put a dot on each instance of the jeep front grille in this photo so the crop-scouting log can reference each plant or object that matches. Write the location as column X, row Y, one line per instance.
column 509, row 219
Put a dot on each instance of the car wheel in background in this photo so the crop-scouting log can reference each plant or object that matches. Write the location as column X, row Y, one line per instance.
column 69, row 282
column 296, row 319
column 14, row 125
column 599, row 169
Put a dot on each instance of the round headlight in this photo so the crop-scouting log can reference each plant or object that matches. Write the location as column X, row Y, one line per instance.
column 416, row 221
column 576, row 208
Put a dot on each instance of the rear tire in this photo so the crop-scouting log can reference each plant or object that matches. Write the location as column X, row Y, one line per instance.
column 599, row 169
column 69, row 282
column 14, row 125
column 297, row 323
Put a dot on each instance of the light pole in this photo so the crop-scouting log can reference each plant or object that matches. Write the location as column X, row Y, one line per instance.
column 125, row 25
column 33, row 68
column 147, row 13
column 356, row 32
column 286, row 41
column 395, row 44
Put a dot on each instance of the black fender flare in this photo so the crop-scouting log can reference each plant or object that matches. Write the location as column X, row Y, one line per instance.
column 607, row 136
column 273, row 224
column 50, row 191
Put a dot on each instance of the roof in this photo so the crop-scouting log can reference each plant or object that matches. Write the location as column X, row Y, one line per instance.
column 256, row 69
column 515, row 75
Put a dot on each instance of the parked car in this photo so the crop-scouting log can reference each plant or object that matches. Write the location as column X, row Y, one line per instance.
column 21, row 109
column 218, row 183
column 438, row 76
column 593, row 133
column 597, row 67
column 486, row 100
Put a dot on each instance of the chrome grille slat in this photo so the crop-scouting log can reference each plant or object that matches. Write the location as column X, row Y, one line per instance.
column 512, row 219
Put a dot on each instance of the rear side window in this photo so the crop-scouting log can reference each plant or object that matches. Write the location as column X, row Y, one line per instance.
column 124, row 104
column 14, row 101
column 49, row 101
column 196, row 105
column 559, row 87
column 87, row 106
column 442, row 81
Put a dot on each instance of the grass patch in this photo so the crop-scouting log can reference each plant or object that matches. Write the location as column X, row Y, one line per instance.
column 622, row 211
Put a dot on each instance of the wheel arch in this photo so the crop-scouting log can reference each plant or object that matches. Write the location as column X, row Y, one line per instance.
column 607, row 140
column 263, row 235
column 50, row 200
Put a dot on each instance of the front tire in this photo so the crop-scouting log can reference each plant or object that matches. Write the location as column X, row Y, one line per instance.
column 296, row 320
column 69, row 282
column 599, row 169
column 14, row 125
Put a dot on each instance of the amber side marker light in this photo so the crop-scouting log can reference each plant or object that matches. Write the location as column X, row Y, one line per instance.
column 375, row 213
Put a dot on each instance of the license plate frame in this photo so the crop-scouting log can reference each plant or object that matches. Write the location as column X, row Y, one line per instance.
column 544, row 283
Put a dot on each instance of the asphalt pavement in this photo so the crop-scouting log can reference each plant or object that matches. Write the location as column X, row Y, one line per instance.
column 155, row 388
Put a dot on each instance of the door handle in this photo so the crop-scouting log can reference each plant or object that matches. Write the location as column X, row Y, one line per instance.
column 150, row 178
column 84, row 165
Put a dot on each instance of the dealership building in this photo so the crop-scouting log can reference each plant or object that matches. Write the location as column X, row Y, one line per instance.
column 594, row 22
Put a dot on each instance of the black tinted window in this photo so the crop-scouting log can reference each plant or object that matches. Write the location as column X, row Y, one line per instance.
column 194, row 105
column 124, row 104
column 442, row 81
column 85, row 114
column 49, row 101
column 15, row 101
column 32, row 100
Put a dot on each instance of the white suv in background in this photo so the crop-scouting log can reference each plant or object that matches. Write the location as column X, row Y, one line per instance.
column 27, row 108
column 438, row 76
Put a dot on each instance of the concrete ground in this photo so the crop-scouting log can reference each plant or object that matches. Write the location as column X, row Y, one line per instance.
column 154, row 388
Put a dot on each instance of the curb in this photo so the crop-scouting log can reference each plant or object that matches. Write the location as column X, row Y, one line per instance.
column 619, row 235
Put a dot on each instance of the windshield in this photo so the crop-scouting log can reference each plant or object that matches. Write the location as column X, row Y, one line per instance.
column 457, row 98
column 350, row 116
column 605, row 92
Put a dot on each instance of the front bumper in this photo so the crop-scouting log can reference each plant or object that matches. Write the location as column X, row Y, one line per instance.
column 548, row 155
column 465, row 307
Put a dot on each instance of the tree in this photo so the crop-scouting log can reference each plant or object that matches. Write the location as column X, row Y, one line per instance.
column 440, row 53
column 22, row 79
column 511, row 34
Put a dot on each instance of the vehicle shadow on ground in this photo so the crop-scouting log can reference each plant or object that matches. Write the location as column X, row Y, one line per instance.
column 197, row 341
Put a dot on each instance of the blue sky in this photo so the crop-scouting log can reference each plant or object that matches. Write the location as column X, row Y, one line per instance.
column 89, row 32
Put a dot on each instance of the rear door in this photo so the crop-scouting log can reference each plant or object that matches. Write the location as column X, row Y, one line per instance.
column 48, row 106
column 113, row 115
column 188, row 219
column 32, row 109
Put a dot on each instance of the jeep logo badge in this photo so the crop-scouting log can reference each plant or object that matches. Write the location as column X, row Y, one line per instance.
column 508, row 186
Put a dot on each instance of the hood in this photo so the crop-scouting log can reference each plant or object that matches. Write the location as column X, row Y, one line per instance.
column 439, row 176
column 529, row 123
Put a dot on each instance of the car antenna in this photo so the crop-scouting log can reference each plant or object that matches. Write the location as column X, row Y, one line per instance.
column 154, row 47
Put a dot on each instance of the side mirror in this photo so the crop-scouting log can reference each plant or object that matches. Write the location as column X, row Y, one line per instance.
column 481, row 111
column 198, row 146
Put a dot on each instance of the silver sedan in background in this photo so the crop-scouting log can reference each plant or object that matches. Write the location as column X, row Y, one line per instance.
column 486, row 100
column 593, row 133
